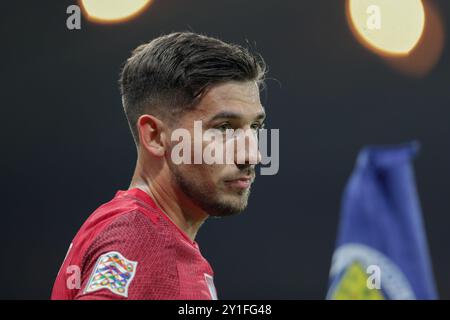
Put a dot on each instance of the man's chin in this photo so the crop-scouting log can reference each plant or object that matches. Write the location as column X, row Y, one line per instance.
column 217, row 202
column 229, row 207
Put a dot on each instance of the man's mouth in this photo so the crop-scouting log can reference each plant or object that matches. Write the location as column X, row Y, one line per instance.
column 243, row 182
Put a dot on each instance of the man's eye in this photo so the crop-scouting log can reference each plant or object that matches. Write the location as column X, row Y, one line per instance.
column 257, row 126
column 224, row 126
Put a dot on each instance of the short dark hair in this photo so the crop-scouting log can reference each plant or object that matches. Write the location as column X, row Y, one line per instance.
column 170, row 74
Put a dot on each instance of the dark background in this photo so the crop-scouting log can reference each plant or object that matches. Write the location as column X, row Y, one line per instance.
column 66, row 147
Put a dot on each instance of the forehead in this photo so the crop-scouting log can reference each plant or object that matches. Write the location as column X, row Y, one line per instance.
column 239, row 97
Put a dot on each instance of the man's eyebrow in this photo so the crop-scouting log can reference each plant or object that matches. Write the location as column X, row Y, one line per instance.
column 261, row 116
column 235, row 115
column 226, row 115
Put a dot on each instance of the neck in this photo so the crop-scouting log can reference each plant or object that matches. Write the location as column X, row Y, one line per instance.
column 176, row 206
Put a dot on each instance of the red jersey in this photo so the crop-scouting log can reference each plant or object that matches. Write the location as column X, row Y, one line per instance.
column 129, row 249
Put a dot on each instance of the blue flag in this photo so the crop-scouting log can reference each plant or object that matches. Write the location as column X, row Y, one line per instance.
column 381, row 250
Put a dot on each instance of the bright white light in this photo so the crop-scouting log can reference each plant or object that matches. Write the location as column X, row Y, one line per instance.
column 392, row 27
column 113, row 10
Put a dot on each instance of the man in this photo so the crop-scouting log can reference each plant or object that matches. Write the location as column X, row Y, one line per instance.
column 141, row 244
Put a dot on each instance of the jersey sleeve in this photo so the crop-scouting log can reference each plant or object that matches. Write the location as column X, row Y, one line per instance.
column 130, row 259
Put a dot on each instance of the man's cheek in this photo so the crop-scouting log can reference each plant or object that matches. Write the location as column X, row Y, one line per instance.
column 213, row 148
column 210, row 174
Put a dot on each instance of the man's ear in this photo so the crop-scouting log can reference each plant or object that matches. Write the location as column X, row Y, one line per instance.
column 151, row 134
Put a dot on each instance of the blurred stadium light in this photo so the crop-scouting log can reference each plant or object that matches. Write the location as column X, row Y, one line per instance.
column 407, row 34
column 113, row 11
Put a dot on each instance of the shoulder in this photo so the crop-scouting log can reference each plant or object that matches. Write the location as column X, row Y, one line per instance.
column 132, row 233
column 131, row 254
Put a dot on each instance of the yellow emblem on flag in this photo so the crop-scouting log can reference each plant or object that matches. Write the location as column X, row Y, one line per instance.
column 353, row 285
